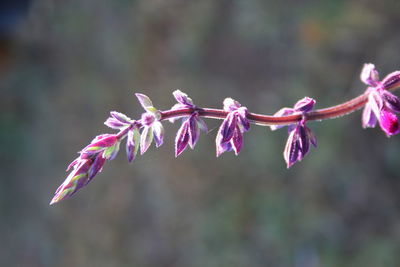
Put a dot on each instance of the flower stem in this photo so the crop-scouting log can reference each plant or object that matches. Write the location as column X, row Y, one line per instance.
column 266, row 120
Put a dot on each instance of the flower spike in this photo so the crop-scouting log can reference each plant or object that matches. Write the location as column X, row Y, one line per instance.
column 87, row 165
column 380, row 107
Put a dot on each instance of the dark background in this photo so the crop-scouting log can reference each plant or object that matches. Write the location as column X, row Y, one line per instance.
column 65, row 64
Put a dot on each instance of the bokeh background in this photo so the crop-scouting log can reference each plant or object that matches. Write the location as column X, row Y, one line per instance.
column 65, row 64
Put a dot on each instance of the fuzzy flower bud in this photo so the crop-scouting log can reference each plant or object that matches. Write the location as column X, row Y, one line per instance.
column 87, row 165
column 298, row 144
column 230, row 133
column 189, row 132
column 369, row 75
column 300, row 136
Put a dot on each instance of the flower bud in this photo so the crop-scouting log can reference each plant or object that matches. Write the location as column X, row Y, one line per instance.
column 391, row 81
column 304, row 105
column 389, row 122
column 369, row 75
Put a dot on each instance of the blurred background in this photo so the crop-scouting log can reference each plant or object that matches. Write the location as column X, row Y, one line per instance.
column 65, row 64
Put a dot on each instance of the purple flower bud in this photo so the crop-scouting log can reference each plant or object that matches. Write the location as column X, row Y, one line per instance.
column 391, row 81
column 304, row 105
column 182, row 137
column 147, row 119
column 391, row 101
column 111, row 152
column 231, row 104
column 382, row 105
column 189, row 133
column 230, row 133
column 369, row 75
column 183, row 98
column 298, row 144
column 100, row 143
column 389, row 122
column 75, row 180
column 96, row 167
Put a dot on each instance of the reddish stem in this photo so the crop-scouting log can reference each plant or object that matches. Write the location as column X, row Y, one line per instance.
column 320, row 114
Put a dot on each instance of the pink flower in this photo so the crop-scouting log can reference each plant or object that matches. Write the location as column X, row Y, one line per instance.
column 382, row 106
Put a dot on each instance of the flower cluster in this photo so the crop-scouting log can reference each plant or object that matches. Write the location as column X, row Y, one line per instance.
column 88, row 164
column 300, row 136
column 380, row 106
column 152, row 127
column 230, row 134
column 189, row 132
